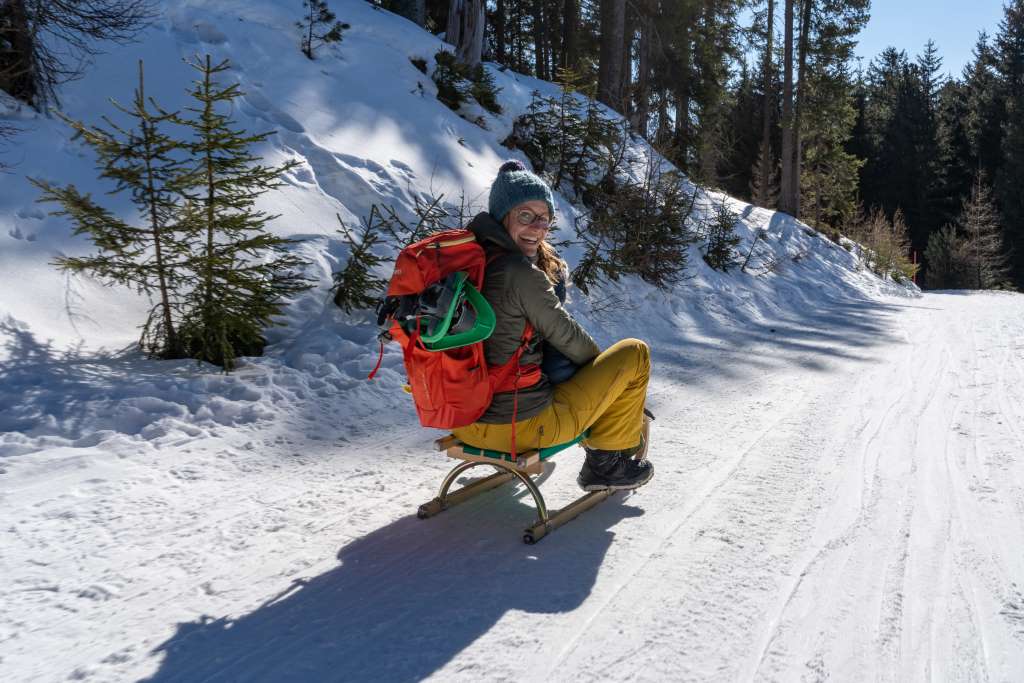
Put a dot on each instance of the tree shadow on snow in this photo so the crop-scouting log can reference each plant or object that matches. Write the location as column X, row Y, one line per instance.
column 48, row 391
column 405, row 600
column 39, row 379
column 809, row 335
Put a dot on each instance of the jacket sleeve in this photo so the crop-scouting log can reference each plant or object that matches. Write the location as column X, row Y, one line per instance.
column 535, row 295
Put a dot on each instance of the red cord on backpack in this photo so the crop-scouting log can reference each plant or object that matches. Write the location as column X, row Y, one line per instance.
column 380, row 359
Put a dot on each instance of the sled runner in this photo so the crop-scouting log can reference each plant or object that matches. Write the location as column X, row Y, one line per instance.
column 519, row 467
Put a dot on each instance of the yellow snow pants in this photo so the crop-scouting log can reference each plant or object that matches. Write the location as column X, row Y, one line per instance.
column 606, row 395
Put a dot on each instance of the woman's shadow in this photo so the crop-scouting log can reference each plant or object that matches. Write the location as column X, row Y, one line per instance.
column 405, row 599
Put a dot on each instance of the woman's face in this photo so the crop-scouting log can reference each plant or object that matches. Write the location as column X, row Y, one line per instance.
column 528, row 225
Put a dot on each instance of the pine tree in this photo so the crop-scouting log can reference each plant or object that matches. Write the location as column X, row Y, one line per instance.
column 829, row 171
column 355, row 285
column 953, row 154
column 243, row 273
column 610, row 79
column 985, row 259
column 743, row 142
column 1010, row 177
column 319, row 27
column 151, row 257
column 721, row 239
column 788, row 198
column 764, row 183
column 902, row 134
column 986, row 111
column 944, row 259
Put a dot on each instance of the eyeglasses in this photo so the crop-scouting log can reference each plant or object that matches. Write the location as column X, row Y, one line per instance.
column 527, row 217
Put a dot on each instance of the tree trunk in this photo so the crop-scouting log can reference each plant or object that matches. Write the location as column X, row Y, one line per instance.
column 539, row 41
column 570, row 29
column 609, row 74
column 681, row 88
column 466, row 30
column 553, row 37
column 801, row 95
column 628, row 32
column 766, row 127
column 17, row 60
column 517, row 37
column 662, row 136
column 156, row 226
column 786, row 193
column 643, row 89
column 499, row 32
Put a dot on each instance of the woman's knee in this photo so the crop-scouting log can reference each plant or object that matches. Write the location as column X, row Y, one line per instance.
column 637, row 351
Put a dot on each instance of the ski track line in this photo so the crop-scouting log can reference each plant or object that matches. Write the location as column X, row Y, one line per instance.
column 955, row 564
column 892, row 602
column 841, row 540
column 703, row 497
column 989, row 566
column 894, row 579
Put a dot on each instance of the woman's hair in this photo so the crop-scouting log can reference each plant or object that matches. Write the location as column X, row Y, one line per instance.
column 550, row 263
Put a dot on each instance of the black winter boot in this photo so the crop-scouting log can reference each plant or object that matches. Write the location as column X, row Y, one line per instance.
column 615, row 470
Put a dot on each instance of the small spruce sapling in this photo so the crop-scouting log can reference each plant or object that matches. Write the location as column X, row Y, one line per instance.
column 484, row 90
column 151, row 257
column 319, row 27
column 457, row 83
column 355, row 285
column 721, row 240
column 243, row 273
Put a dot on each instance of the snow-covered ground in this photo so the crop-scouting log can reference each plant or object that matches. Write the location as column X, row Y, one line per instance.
column 839, row 489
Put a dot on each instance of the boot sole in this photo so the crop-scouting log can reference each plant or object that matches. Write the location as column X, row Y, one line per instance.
column 618, row 487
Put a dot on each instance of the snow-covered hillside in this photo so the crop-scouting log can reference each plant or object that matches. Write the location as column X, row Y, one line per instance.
column 837, row 495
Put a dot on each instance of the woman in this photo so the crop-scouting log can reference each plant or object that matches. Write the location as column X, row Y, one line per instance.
column 605, row 395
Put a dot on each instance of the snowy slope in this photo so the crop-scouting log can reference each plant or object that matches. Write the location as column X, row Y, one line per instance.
column 837, row 495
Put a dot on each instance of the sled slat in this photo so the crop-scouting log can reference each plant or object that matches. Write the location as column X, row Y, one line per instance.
column 528, row 461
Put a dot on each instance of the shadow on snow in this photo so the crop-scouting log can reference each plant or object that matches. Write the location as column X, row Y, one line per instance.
column 405, row 600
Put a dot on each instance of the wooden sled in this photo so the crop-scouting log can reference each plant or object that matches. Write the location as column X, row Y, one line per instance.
column 521, row 467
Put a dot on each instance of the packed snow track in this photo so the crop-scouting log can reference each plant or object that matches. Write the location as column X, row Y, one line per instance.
column 839, row 495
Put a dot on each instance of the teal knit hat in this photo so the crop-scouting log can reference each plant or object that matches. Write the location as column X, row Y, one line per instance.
column 515, row 185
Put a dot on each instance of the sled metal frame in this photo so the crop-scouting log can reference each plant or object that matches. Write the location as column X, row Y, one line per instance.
column 520, row 467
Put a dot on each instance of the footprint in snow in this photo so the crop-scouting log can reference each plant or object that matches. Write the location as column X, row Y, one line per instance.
column 368, row 164
column 33, row 212
column 405, row 168
column 259, row 105
column 208, row 33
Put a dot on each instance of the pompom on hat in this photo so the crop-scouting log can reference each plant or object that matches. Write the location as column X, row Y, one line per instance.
column 515, row 185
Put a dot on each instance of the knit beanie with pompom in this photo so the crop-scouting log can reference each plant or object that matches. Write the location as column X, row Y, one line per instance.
column 515, row 185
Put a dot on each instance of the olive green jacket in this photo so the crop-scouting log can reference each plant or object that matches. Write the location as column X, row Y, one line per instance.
column 519, row 291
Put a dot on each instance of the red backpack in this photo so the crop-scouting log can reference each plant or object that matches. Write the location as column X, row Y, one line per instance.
column 452, row 386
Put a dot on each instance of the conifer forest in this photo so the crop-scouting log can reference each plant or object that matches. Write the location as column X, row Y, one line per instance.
column 766, row 100
column 763, row 99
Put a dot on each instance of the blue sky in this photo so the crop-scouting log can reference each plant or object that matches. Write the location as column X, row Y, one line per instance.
column 908, row 24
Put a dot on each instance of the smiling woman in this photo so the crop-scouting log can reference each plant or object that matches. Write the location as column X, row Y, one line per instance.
column 528, row 224
column 604, row 397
